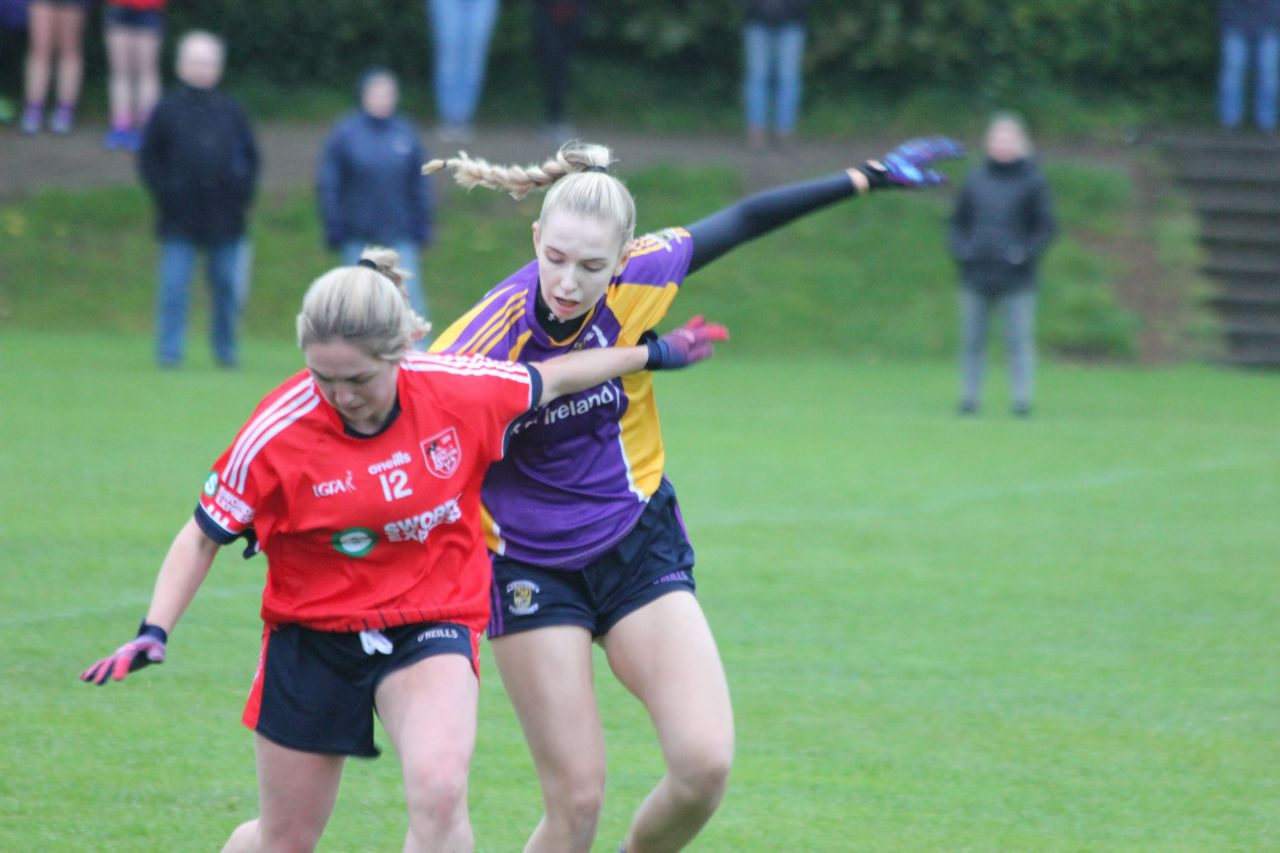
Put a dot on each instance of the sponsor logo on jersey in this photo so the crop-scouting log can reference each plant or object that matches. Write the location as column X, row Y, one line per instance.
column 211, row 484
column 355, row 541
column 234, row 506
column 522, row 593
column 417, row 528
column 397, row 459
column 335, row 487
column 441, row 633
column 443, row 453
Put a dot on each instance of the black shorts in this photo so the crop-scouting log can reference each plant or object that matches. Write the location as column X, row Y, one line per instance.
column 135, row 19
column 314, row 689
column 655, row 558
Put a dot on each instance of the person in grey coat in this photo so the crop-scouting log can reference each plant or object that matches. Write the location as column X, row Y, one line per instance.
column 1002, row 223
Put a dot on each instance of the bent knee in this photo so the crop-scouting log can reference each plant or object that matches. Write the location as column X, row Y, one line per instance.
column 578, row 802
column 702, row 774
column 436, row 794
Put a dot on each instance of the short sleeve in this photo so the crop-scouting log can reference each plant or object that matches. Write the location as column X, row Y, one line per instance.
column 489, row 394
column 655, row 269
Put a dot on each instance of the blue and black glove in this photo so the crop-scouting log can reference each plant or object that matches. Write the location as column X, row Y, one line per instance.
column 689, row 344
column 908, row 165
column 145, row 649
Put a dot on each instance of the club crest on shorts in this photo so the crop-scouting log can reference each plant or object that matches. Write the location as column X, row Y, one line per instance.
column 522, row 592
column 443, row 453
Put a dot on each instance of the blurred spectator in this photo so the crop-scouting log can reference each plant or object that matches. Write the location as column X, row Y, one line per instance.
column 1002, row 223
column 13, row 20
column 557, row 24
column 370, row 183
column 1249, row 26
column 460, row 30
column 773, row 45
column 133, row 30
column 54, row 26
column 200, row 164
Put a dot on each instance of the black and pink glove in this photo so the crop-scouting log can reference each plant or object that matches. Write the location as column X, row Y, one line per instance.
column 145, row 649
column 689, row 344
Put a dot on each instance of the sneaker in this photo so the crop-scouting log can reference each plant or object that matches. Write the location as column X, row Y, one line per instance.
column 117, row 139
column 967, row 408
column 32, row 119
column 62, row 121
column 1022, row 410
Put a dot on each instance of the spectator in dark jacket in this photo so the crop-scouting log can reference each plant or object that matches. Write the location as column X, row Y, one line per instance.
column 1249, row 26
column 1002, row 223
column 200, row 164
column 773, row 49
column 370, row 184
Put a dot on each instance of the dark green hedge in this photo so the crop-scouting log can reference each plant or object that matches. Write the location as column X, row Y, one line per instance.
column 1131, row 43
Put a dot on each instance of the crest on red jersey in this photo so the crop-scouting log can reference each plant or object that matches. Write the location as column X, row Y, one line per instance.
column 443, row 453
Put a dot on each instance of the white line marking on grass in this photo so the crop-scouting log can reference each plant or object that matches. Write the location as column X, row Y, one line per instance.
column 959, row 498
column 133, row 601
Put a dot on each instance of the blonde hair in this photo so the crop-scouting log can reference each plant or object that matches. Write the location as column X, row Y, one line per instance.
column 368, row 308
column 576, row 179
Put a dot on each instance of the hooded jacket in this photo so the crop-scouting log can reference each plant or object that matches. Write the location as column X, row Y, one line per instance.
column 1001, row 225
column 370, row 184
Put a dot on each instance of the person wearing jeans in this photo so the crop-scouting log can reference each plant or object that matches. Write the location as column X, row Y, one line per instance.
column 177, row 264
column 199, row 162
column 773, row 50
column 1250, row 29
column 461, row 30
column 1002, row 223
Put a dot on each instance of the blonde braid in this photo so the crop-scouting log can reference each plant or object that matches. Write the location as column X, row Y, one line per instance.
column 519, row 181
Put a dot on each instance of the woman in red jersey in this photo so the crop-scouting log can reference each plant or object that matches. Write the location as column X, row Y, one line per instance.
column 133, row 31
column 359, row 478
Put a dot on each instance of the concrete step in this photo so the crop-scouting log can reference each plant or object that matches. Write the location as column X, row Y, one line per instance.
column 1219, row 202
column 1253, row 331
column 1226, row 231
column 1231, row 298
column 1235, row 267
column 1236, row 255
column 1262, row 357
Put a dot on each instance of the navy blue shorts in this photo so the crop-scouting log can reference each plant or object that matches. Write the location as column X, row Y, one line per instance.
column 314, row 689
column 655, row 558
column 136, row 19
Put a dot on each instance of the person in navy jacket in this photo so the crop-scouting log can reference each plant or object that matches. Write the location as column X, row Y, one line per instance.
column 370, row 185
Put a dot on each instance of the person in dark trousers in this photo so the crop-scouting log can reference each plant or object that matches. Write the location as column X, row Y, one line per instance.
column 199, row 162
column 370, row 185
column 1250, row 30
column 1002, row 223
column 557, row 25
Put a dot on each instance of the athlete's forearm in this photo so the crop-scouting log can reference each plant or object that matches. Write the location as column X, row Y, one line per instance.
column 183, row 570
column 761, row 213
column 585, row 369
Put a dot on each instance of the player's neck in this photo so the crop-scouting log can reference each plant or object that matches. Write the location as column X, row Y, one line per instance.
column 557, row 330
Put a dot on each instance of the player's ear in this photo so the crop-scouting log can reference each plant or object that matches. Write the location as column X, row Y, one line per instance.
column 536, row 237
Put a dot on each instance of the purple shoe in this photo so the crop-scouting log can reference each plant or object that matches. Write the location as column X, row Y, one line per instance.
column 118, row 139
column 62, row 121
column 32, row 119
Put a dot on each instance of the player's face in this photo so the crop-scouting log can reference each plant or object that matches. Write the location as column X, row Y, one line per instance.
column 360, row 387
column 577, row 256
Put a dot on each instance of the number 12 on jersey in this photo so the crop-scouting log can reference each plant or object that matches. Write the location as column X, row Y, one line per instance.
column 395, row 485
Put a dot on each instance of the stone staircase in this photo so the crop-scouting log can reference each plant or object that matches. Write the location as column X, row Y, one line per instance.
column 1234, row 183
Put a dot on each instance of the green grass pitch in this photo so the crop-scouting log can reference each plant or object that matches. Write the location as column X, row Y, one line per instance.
column 989, row 634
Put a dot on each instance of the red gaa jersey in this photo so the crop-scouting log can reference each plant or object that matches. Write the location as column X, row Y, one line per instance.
column 367, row 532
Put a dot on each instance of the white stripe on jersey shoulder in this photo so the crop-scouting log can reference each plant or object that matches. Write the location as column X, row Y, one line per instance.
column 294, row 404
column 465, row 365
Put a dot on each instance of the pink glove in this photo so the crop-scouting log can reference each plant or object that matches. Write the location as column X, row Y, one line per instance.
column 689, row 344
column 145, row 649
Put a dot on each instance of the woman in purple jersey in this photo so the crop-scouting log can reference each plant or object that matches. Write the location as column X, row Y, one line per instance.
column 585, row 532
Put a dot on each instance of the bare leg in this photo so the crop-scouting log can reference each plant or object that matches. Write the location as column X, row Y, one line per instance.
column 39, row 67
column 664, row 654
column 119, row 84
column 69, row 33
column 547, row 675
column 296, row 793
column 147, row 72
column 429, row 712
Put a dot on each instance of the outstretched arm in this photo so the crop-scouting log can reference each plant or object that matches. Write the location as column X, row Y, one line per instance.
column 183, row 570
column 908, row 165
column 578, row 371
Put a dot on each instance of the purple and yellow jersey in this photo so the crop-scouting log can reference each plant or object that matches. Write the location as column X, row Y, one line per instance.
column 579, row 470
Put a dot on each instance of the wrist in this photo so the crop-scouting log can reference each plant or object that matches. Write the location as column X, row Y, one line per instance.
column 875, row 175
column 657, row 353
column 155, row 632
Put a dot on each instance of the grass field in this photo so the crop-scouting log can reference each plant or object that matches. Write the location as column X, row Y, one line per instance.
column 991, row 634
